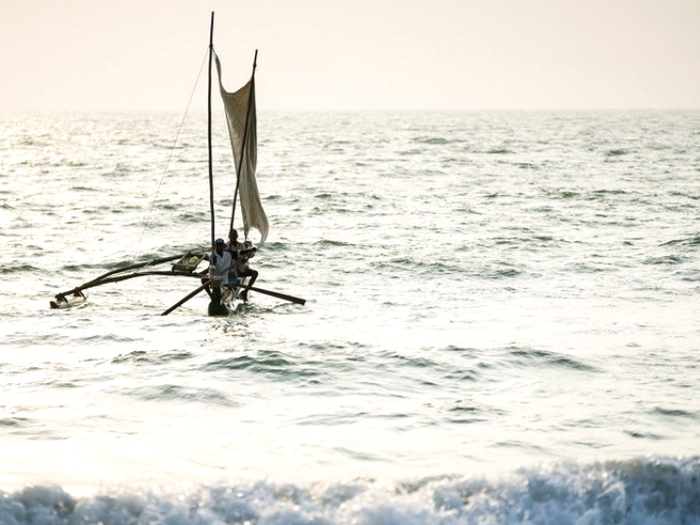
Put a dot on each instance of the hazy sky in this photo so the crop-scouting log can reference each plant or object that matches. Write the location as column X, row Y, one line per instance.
column 362, row 54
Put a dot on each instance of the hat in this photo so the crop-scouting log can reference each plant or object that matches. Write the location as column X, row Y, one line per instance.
column 219, row 241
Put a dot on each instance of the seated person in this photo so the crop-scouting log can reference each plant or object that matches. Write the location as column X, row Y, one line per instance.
column 219, row 264
column 241, row 253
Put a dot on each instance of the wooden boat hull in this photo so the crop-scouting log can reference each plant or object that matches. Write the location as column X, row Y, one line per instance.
column 223, row 300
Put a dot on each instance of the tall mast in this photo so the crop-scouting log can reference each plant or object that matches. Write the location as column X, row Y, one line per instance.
column 211, row 168
column 245, row 139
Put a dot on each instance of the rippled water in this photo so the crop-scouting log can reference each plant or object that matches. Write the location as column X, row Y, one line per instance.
column 501, row 322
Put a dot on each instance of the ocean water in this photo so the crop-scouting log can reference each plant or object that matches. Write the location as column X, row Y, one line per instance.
column 501, row 322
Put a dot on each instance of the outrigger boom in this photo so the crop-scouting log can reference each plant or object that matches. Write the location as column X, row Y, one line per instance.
column 184, row 267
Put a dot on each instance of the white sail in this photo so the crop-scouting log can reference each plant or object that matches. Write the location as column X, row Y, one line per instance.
column 242, row 128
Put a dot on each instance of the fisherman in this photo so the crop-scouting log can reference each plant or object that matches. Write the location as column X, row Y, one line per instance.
column 241, row 253
column 219, row 264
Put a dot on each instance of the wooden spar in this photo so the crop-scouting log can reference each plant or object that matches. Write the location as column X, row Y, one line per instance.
column 186, row 298
column 211, row 168
column 100, row 279
column 144, row 274
column 108, row 280
column 205, row 284
column 245, row 139
column 278, row 295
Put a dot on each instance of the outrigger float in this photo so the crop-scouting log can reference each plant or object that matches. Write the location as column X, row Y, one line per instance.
column 241, row 118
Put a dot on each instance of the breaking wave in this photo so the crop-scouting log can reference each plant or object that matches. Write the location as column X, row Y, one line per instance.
column 643, row 491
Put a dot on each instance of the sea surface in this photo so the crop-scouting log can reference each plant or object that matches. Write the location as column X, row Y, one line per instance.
column 502, row 322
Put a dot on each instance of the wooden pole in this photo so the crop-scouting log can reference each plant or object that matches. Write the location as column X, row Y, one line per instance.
column 278, row 295
column 101, row 278
column 211, row 164
column 120, row 278
column 185, row 299
column 245, row 139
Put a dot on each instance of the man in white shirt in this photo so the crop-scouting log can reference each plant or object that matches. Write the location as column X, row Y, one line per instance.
column 219, row 264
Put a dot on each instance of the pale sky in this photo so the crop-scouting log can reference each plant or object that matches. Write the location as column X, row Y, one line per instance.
column 67, row 55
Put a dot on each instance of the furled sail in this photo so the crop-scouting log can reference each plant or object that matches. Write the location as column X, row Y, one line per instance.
column 242, row 128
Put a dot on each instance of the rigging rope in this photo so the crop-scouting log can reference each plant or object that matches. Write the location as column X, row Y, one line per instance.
column 170, row 157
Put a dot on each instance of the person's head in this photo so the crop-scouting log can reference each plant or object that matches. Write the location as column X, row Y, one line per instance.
column 233, row 235
column 220, row 244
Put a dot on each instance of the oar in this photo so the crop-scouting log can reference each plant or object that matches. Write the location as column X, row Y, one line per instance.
column 185, row 299
column 279, row 295
column 205, row 282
